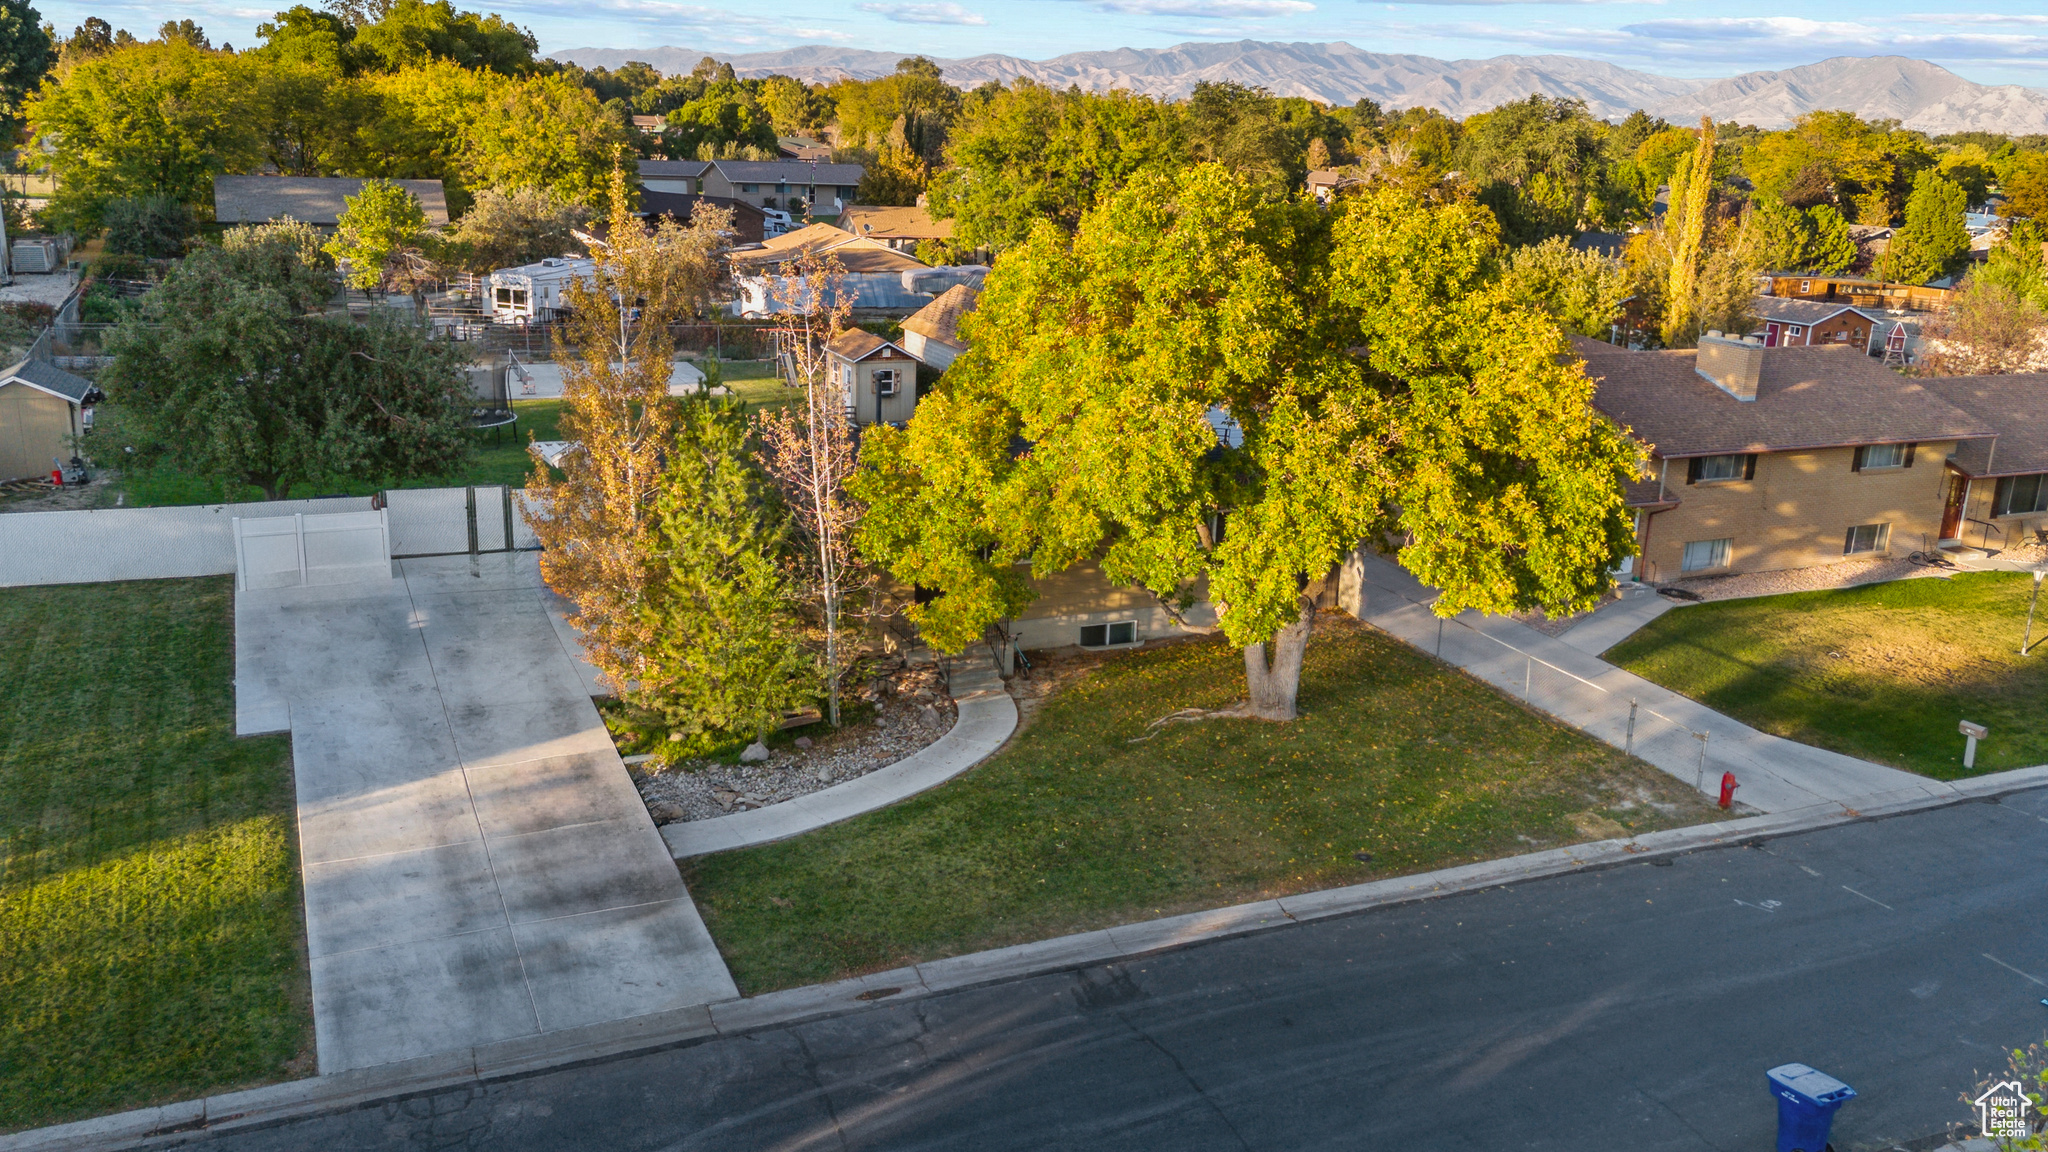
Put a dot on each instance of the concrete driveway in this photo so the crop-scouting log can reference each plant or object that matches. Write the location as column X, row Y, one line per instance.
column 478, row 865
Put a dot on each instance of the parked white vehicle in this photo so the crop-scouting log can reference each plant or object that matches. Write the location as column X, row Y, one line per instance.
column 778, row 223
column 536, row 291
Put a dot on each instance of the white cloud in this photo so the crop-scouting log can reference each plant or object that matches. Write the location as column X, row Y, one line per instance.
column 1206, row 9
column 925, row 13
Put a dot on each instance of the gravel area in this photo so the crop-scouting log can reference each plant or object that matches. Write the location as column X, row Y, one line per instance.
column 1846, row 574
column 911, row 710
column 42, row 288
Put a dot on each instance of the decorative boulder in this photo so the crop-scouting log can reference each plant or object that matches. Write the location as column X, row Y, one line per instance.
column 755, row 753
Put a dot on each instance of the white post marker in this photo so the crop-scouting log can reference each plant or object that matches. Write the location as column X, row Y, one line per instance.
column 2027, row 639
column 1974, row 732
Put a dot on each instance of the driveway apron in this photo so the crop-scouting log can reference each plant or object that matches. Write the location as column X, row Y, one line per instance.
column 478, row 865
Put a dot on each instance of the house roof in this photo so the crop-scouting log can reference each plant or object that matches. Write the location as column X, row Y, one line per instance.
column 1787, row 310
column 884, row 223
column 787, row 172
column 681, row 204
column 47, row 377
column 858, row 344
column 1605, row 243
column 940, row 319
column 672, row 169
column 1648, row 494
column 2012, row 405
column 855, row 253
column 1829, row 396
column 308, row 199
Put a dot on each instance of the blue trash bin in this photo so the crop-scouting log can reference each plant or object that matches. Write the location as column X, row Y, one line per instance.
column 1807, row 1101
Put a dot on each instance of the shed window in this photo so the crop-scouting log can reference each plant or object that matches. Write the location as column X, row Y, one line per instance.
column 885, row 381
column 1806, row 285
column 1704, row 554
column 1867, row 538
column 2019, row 495
column 1109, row 635
column 1795, row 330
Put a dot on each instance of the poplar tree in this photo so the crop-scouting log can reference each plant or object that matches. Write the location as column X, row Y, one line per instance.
column 1686, row 221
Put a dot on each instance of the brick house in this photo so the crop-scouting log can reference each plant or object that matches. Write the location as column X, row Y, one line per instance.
column 1772, row 458
column 1997, row 494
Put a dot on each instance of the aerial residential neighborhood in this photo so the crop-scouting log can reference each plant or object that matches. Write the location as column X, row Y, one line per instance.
column 1014, row 575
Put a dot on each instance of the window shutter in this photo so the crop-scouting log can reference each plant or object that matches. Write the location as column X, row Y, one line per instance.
column 1692, row 470
column 1749, row 467
column 1909, row 454
column 1856, row 463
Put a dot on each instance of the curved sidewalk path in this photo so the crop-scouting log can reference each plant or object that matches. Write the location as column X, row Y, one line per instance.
column 987, row 717
column 1577, row 687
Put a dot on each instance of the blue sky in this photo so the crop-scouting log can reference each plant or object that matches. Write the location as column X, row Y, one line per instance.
column 1990, row 41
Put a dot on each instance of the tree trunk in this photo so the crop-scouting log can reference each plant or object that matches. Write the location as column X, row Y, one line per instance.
column 1273, row 687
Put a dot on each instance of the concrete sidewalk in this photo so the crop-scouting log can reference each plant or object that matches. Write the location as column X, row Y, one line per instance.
column 1775, row 774
column 987, row 717
column 478, row 866
column 1616, row 620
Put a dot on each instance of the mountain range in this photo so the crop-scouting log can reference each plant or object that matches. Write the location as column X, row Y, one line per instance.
column 1920, row 94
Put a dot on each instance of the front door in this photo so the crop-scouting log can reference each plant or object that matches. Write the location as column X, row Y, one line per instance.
column 1771, row 335
column 1952, row 511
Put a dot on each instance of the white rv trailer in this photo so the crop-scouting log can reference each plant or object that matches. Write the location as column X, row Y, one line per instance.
column 533, row 292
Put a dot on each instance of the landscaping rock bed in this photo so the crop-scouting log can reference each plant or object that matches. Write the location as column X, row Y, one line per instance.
column 1844, row 574
column 911, row 709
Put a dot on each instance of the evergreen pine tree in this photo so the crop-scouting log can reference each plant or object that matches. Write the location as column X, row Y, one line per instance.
column 1832, row 252
column 1933, row 243
column 725, row 652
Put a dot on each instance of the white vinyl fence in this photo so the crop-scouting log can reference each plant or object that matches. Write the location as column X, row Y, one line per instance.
column 304, row 551
column 89, row 547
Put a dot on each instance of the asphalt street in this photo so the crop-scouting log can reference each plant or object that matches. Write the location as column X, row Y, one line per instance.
column 1634, row 1008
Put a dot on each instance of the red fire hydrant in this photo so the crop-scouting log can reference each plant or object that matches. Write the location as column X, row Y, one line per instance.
column 1728, row 787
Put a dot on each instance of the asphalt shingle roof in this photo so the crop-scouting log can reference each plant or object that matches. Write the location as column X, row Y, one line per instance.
column 672, row 169
column 2014, row 405
column 940, row 319
column 1808, row 312
column 788, row 172
column 308, row 199
column 50, row 378
column 1807, row 397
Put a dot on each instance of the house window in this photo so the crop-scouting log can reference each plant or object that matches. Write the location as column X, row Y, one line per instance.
column 750, row 188
column 1883, row 456
column 885, row 381
column 1867, row 538
column 1737, row 466
column 1703, row 554
column 1109, row 635
column 2019, row 495
column 782, row 187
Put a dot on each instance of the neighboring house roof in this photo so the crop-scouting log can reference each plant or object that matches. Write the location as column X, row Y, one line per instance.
column 1828, row 396
column 2012, row 405
column 787, row 172
column 1787, row 310
column 855, row 253
column 884, row 223
column 44, row 376
column 1605, row 243
column 672, row 169
column 308, row 199
column 858, row 344
column 681, row 204
column 803, row 148
column 940, row 319
column 1648, row 494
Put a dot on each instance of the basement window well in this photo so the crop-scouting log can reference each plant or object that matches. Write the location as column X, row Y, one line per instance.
column 1109, row 635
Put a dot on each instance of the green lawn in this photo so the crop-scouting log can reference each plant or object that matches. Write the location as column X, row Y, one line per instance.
column 150, row 935
column 1073, row 827
column 1882, row 672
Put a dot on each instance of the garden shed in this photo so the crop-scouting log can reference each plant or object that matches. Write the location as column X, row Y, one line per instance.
column 39, row 414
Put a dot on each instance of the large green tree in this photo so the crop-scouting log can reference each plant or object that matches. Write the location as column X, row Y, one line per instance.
column 1934, row 241
column 1538, row 164
column 378, row 225
column 223, row 372
column 26, row 56
column 1382, row 382
column 158, row 119
column 1031, row 153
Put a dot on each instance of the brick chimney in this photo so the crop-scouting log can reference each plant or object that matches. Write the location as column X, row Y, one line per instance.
column 1732, row 363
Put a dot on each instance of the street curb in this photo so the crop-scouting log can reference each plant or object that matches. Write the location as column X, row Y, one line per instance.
column 274, row 1104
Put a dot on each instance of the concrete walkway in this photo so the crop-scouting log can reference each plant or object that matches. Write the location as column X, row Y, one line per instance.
column 1775, row 774
column 987, row 716
column 1616, row 620
column 478, row 866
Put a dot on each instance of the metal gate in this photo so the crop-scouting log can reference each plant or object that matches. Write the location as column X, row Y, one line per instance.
column 456, row 521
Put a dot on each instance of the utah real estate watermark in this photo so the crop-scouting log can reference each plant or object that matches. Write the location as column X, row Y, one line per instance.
column 2002, row 1111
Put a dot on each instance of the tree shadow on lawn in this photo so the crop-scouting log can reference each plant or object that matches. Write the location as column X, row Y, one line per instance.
column 1076, row 825
column 1882, row 672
